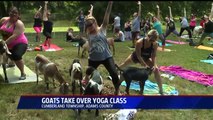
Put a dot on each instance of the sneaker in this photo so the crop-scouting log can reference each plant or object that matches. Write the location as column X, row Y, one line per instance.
column 23, row 77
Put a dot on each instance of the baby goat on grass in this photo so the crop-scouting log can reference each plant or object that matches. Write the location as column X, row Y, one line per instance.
column 49, row 70
column 94, row 85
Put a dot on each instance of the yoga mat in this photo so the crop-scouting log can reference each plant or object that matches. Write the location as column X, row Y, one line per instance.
column 165, row 49
column 53, row 47
column 207, row 61
column 151, row 88
column 195, row 76
column 13, row 75
column 159, row 49
column 176, row 42
column 160, row 44
column 204, row 47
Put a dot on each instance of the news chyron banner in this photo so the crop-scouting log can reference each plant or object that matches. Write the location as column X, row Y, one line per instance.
column 115, row 102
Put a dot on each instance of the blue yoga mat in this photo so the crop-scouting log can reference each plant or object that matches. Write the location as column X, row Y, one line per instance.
column 207, row 61
column 151, row 88
column 167, row 44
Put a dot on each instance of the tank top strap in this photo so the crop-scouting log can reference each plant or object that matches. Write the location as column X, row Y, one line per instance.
column 143, row 43
column 7, row 20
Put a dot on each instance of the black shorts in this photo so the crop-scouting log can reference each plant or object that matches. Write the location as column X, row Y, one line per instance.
column 47, row 34
column 18, row 51
column 135, row 58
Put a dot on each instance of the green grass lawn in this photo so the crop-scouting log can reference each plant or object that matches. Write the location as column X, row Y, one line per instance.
column 184, row 55
column 55, row 29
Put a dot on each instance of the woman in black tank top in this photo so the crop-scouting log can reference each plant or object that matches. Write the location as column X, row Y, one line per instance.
column 145, row 54
column 38, row 24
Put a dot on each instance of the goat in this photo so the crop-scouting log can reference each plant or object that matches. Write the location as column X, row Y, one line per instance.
column 94, row 85
column 50, row 70
column 3, row 58
column 133, row 73
column 198, row 30
column 76, row 73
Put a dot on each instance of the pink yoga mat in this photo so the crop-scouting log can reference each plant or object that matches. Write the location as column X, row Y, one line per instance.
column 195, row 76
column 53, row 47
column 176, row 42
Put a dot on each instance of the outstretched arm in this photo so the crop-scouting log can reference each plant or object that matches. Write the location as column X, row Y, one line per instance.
column 107, row 13
column 158, row 12
column 45, row 18
column 184, row 10
column 211, row 14
column 39, row 10
column 170, row 13
column 91, row 10
column 139, row 9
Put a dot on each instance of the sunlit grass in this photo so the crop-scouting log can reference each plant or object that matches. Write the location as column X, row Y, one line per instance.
column 55, row 29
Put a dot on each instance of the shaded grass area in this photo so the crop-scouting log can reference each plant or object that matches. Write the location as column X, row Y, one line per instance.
column 185, row 56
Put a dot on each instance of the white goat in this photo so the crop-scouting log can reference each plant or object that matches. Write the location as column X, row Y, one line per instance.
column 3, row 57
column 76, row 74
column 198, row 30
column 94, row 86
column 49, row 70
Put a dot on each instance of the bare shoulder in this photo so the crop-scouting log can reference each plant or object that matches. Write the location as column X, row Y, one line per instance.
column 3, row 19
column 139, row 42
column 155, row 45
column 20, row 23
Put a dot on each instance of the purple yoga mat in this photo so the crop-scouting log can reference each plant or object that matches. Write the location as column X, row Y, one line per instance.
column 195, row 76
column 176, row 42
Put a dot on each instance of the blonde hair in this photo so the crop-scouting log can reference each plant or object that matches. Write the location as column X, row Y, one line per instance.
column 90, row 18
column 153, row 34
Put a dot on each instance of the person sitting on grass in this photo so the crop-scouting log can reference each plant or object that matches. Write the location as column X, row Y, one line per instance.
column 119, row 36
column 70, row 36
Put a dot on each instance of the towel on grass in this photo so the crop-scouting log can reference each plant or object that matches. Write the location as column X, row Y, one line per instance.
column 151, row 88
column 53, row 47
column 207, row 61
column 204, row 47
column 160, row 44
column 176, row 42
column 195, row 76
